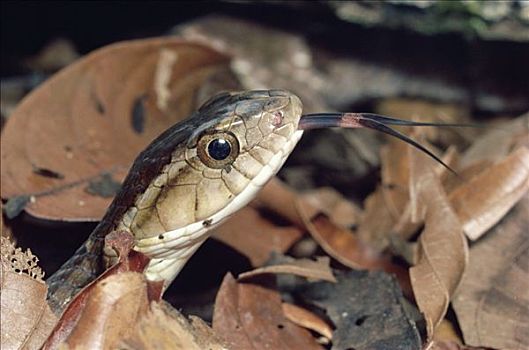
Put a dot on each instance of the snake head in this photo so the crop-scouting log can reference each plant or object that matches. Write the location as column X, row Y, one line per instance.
column 218, row 160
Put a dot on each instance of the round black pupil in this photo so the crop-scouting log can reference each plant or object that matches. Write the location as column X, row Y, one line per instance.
column 219, row 149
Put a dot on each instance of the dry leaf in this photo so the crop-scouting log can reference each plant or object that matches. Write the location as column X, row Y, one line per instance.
column 330, row 202
column 304, row 318
column 256, row 237
column 497, row 142
column 391, row 210
column 338, row 242
column 367, row 309
column 449, row 345
column 377, row 221
column 70, row 142
column 163, row 327
column 486, row 198
column 250, row 316
column 314, row 270
column 443, row 251
column 118, row 315
column 446, row 332
column 26, row 318
column 492, row 302
column 395, row 173
column 112, row 306
column 281, row 199
column 344, row 246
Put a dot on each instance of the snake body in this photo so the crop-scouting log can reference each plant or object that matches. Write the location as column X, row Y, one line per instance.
column 186, row 182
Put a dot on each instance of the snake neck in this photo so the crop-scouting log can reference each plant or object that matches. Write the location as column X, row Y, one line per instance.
column 83, row 267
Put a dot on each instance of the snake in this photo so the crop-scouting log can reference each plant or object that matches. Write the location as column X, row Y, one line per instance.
column 194, row 176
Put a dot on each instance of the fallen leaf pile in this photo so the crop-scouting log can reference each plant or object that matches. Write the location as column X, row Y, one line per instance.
column 328, row 272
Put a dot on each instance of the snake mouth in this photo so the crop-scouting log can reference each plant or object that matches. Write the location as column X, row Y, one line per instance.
column 372, row 121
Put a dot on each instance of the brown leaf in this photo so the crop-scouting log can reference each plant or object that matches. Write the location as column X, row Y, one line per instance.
column 250, row 316
column 112, row 306
column 497, row 142
column 492, row 302
column 281, row 199
column 163, row 327
column 486, row 198
column 304, row 318
column 87, row 123
column 314, row 270
column 330, row 202
column 26, row 318
column 340, row 243
column 395, row 173
column 391, row 210
column 377, row 220
column 346, row 247
column 255, row 236
column 442, row 248
column 446, row 332
column 450, row 345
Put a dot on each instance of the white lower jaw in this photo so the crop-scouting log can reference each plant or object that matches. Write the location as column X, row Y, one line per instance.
column 169, row 255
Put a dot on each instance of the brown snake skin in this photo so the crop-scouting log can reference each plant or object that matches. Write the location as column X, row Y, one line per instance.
column 186, row 182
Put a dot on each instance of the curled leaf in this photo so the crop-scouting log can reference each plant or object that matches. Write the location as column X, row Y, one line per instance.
column 486, row 198
column 443, row 251
column 304, row 318
column 314, row 270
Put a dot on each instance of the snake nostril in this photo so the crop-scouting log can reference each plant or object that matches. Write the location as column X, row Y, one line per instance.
column 277, row 118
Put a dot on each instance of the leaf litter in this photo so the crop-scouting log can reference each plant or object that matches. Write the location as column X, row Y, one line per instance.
column 250, row 316
column 58, row 167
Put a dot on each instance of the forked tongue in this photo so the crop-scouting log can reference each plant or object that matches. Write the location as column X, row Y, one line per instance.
column 371, row 121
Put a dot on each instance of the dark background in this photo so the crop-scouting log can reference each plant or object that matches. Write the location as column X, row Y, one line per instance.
column 497, row 67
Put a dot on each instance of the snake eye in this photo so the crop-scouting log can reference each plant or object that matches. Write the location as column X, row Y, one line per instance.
column 219, row 149
column 216, row 149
